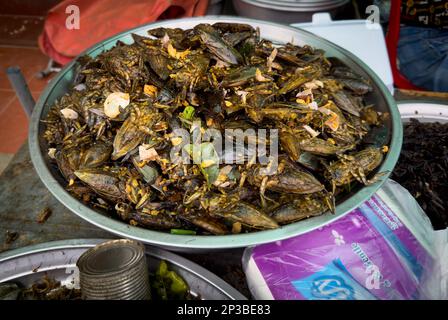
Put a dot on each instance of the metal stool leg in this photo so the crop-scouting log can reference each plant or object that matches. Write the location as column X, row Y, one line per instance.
column 19, row 85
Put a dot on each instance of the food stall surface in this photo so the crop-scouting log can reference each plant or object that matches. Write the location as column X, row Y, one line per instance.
column 23, row 197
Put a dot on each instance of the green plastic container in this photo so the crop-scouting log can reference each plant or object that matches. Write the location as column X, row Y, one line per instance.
column 381, row 97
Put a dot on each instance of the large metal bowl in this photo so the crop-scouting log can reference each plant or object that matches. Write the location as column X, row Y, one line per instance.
column 53, row 180
column 57, row 260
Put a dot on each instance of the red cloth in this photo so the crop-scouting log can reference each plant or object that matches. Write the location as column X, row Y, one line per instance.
column 101, row 19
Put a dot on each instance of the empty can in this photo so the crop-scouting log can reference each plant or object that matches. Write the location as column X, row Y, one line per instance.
column 114, row 270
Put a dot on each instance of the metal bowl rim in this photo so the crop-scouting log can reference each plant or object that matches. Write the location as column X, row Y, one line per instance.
column 159, row 253
column 209, row 242
column 295, row 7
column 432, row 110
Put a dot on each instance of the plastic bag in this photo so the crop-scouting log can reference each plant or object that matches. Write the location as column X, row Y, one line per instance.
column 385, row 249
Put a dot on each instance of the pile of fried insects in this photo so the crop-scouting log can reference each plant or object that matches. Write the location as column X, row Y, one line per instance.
column 112, row 134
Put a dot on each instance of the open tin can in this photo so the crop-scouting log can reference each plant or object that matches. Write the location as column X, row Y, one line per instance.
column 114, row 270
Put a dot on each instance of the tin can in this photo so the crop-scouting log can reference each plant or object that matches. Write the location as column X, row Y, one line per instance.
column 114, row 270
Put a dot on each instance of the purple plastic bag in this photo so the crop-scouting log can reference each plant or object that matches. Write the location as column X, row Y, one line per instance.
column 367, row 254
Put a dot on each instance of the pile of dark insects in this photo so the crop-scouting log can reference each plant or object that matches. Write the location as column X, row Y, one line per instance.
column 112, row 134
column 423, row 168
column 44, row 289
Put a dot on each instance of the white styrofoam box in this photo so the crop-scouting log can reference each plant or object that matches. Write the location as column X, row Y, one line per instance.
column 360, row 37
